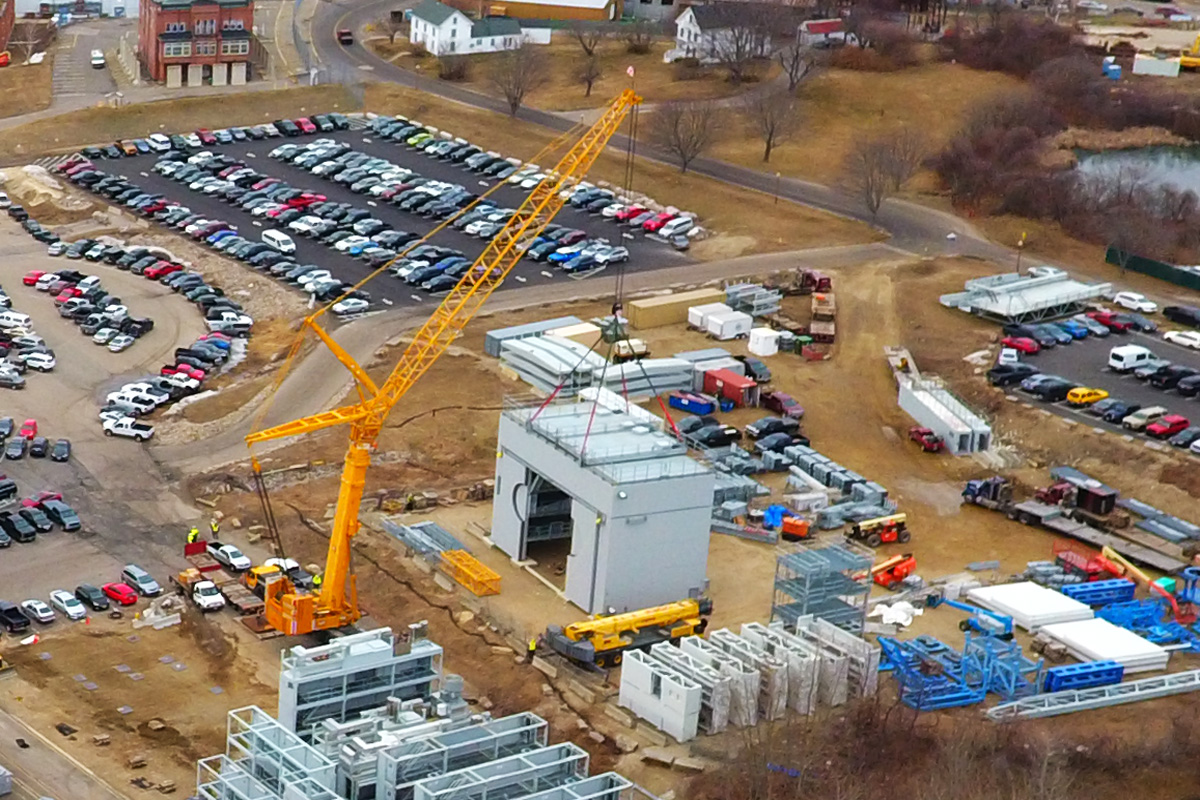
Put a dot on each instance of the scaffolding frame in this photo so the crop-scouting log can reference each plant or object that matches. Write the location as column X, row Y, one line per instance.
column 830, row 582
column 262, row 758
column 466, row 570
column 512, row 777
column 605, row 786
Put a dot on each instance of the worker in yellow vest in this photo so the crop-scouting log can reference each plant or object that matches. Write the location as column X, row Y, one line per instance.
column 531, row 650
column 215, row 527
column 193, row 535
column 317, row 581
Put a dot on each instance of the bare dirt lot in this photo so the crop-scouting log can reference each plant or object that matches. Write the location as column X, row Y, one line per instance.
column 24, row 89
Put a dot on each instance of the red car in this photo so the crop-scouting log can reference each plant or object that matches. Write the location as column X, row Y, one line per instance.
column 1021, row 344
column 186, row 370
column 58, row 286
column 223, row 337
column 305, row 200
column 630, row 213
column 781, row 403
column 28, row 429
column 306, row 125
column 82, row 166
column 205, row 136
column 264, row 183
column 120, row 592
column 154, row 208
column 657, row 221
column 31, row 277
column 1168, row 425
column 1111, row 321
column 161, row 270
column 66, row 294
column 73, row 161
column 35, row 500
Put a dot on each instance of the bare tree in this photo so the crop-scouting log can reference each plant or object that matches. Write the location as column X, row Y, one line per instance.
column 589, row 73
column 639, row 36
column 29, row 37
column 1132, row 235
column 685, row 130
column 867, row 174
column 796, row 61
column 588, row 36
column 774, row 117
column 742, row 34
column 906, row 151
column 516, row 73
column 392, row 26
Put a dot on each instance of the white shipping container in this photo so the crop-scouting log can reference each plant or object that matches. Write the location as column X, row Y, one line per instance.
column 1162, row 67
column 729, row 325
column 698, row 315
column 763, row 342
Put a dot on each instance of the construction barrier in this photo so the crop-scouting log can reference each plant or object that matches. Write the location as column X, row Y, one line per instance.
column 467, row 571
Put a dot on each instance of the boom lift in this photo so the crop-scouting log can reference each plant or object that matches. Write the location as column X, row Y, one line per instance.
column 981, row 620
column 287, row 607
column 603, row 640
column 1184, row 615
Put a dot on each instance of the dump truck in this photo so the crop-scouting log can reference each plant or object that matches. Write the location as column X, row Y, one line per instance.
column 602, row 640
column 195, row 585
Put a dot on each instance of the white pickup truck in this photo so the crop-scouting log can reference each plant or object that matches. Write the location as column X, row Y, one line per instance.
column 207, row 596
column 128, row 426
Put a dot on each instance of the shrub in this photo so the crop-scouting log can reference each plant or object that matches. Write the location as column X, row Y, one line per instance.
column 418, row 50
column 454, row 68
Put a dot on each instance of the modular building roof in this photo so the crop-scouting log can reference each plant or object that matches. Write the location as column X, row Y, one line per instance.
column 1042, row 293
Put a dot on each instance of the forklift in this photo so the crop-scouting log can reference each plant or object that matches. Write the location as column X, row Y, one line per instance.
column 882, row 530
column 891, row 572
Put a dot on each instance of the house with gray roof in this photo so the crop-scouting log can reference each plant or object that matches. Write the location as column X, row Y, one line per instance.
column 444, row 30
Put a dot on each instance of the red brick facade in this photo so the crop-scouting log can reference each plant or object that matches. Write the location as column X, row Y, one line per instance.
column 204, row 35
column 8, row 17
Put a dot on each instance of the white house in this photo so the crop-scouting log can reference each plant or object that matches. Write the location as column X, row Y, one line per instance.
column 444, row 31
column 706, row 32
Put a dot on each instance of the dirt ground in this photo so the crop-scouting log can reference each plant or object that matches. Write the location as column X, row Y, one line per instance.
column 562, row 89
column 26, row 88
column 98, row 125
column 838, row 105
column 188, row 677
column 747, row 222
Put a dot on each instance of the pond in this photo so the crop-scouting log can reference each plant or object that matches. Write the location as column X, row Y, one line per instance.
column 1158, row 166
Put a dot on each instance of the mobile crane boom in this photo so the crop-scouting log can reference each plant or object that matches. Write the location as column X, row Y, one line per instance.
column 336, row 605
column 602, row 640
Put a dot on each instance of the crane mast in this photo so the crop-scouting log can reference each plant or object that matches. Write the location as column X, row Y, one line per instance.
column 336, row 605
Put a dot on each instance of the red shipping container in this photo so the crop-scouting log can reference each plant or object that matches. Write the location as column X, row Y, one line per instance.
column 741, row 390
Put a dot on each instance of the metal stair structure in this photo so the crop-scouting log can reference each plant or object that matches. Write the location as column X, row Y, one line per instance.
column 1055, row 703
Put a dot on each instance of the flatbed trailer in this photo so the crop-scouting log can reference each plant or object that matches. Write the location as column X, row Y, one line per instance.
column 241, row 599
column 1054, row 518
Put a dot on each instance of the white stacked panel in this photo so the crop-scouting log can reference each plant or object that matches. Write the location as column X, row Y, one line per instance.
column 667, row 701
column 1101, row 640
column 1031, row 606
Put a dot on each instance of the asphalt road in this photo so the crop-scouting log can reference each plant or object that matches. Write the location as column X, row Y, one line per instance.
column 912, row 227
column 1086, row 362
column 644, row 253
column 73, row 72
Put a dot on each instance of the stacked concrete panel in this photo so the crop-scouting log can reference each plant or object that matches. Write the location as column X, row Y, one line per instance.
column 492, row 340
column 744, row 679
column 773, row 674
column 863, row 657
column 716, row 689
column 802, row 661
column 662, row 697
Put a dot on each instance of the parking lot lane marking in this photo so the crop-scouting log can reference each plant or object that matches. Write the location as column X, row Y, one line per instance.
column 483, row 183
column 256, row 223
column 417, row 297
column 372, row 203
column 366, row 140
column 251, row 155
column 144, row 174
column 546, row 274
column 520, row 278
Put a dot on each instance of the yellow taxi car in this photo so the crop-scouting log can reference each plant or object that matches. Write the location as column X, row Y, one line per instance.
column 1083, row 396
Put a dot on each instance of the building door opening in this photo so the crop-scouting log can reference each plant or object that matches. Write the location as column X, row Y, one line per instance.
column 548, row 526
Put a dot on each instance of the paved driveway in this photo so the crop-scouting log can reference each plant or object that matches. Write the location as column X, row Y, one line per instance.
column 73, row 72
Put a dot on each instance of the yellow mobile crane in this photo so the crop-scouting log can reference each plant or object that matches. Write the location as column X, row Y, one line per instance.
column 603, row 640
column 297, row 612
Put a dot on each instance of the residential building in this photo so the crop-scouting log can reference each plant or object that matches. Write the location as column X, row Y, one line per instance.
column 444, row 30
column 196, row 42
column 8, row 18
column 705, row 32
column 582, row 10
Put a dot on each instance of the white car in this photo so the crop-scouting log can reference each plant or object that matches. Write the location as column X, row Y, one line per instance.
column 56, row 249
column 316, row 276
column 345, row 244
column 1135, row 302
column 522, row 174
column 1008, row 355
column 611, row 210
column 36, row 609
column 104, row 335
column 203, row 155
column 67, row 603
column 182, row 381
column 119, row 343
column 305, row 224
column 285, row 150
column 193, row 140
column 230, row 556
column 42, row 362
column 1186, row 338
column 351, row 305
column 158, row 142
column 197, row 225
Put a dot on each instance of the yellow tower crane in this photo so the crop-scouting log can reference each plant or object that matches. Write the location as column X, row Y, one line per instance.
column 296, row 612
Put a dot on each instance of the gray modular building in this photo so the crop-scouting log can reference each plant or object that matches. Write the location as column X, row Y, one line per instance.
column 599, row 479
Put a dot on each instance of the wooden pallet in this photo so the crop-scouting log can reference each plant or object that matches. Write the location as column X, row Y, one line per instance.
column 467, row 571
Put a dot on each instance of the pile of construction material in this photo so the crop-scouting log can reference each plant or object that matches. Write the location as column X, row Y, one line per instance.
column 427, row 539
column 493, row 339
column 1101, row 640
column 809, row 472
column 739, row 679
column 1031, row 606
column 753, row 299
column 551, row 363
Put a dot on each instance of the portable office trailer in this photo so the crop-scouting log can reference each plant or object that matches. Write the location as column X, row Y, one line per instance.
column 741, row 390
column 697, row 316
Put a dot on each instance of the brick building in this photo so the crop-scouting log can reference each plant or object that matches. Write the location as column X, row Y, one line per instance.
column 8, row 18
column 196, row 42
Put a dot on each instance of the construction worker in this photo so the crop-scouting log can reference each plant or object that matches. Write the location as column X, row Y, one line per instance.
column 317, row 581
column 193, row 535
column 531, row 650
column 215, row 527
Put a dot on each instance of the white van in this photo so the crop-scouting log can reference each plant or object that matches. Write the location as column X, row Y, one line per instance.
column 12, row 319
column 97, row 59
column 1128, row 357
column 280, row 241
column 677, row 226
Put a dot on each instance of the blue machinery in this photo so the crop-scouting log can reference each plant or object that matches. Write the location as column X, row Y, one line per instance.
column 932, row 676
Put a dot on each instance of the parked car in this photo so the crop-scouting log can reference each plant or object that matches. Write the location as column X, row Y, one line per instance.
column 229, row 556
column 13, row 618
column 120, row 593
column 1186, row 437
column 140, row 580
column 770, row 425
column 715, row 436
column 778, row 442
column 1084, row 396
column 1021, row 344
column 1053, row 390
column 1110, row 320
column 781, row 403
column 1009, row 374
column 1139, row 419
column 1135, row 302
column 1167, row 426
column 37, row 610
column 1190, row 339
column 67, row 604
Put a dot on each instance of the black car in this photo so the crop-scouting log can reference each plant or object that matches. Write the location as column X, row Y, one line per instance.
column 1009, row 374
column 91, row 596
column 1169, row 377
column 287, row 127
column 1189, row 387
column 756, row 369
column 1139, row 322
column 771, row 425
column 16, row 447
column 39, row 447
column 62, row 514
column 1120, row 411
column 689, row 424
column 37, row 518
column 778, row 442
column 1053, row 390
column 18, row 213
column 6, row 427
column 1186, row 436
column 17, row 527
column 1184, row 315
column 1102, row 407
column 715, row 436
column 13, row 618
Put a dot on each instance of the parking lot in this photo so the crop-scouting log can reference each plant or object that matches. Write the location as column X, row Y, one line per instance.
column 1086, row 362
column 644, row 253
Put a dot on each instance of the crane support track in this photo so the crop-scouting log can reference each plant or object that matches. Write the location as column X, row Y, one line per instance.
column 336, row 605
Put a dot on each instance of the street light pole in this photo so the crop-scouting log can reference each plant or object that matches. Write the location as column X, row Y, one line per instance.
column 776, row 188
column 1020, row 249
